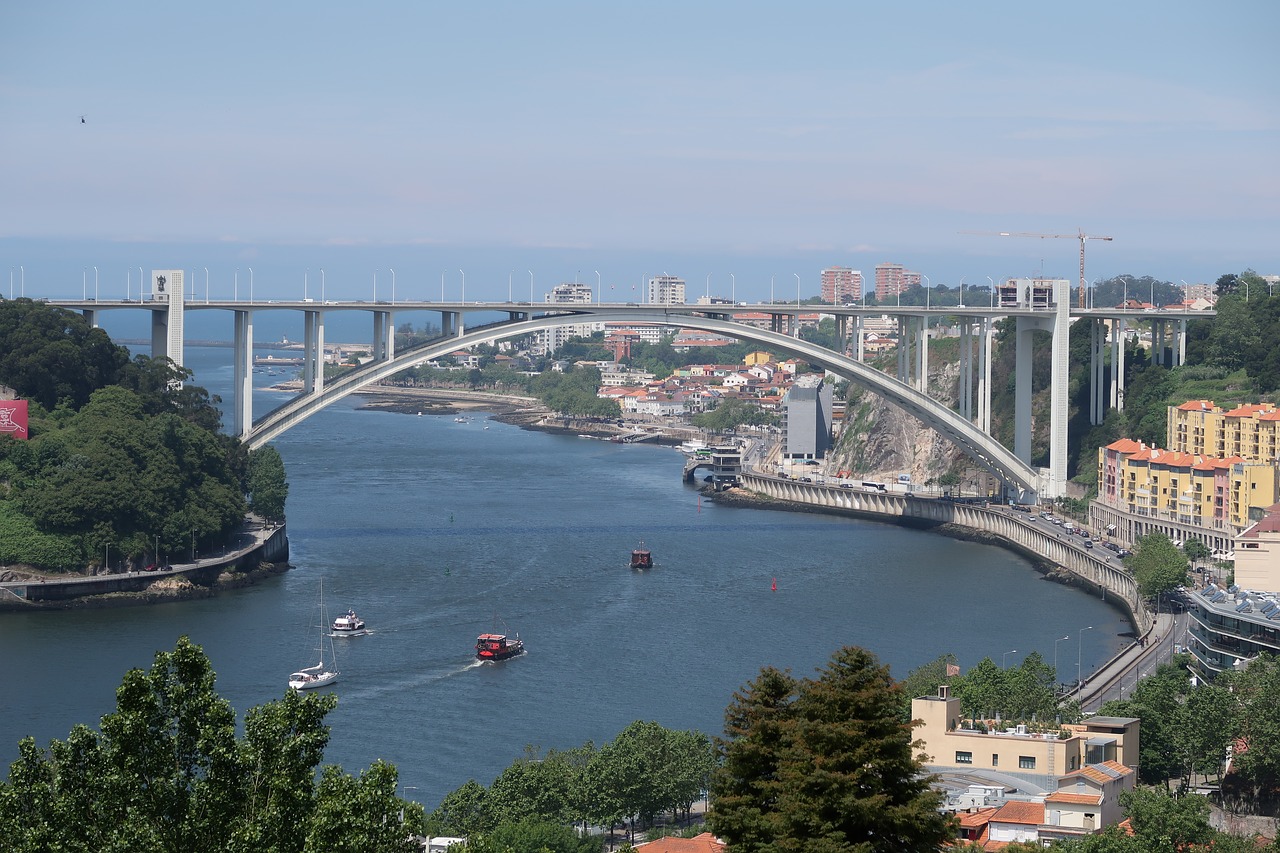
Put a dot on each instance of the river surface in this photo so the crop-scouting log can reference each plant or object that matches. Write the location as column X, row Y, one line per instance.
column 435, row 531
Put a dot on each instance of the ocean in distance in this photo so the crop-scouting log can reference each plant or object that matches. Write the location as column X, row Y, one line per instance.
column 435, row 531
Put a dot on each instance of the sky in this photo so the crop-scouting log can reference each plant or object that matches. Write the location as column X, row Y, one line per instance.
column 510, row 146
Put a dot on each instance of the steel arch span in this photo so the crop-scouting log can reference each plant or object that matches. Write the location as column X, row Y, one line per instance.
column 979, row 446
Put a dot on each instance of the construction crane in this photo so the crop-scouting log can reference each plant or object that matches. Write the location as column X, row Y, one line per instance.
column 1079, row 235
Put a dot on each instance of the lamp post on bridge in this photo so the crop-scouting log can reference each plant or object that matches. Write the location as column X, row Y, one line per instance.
column 95, row 282
column 393, row 286
column 733, row 290
column 961, row 292
column 322, row 284
column 464, row 287
column 530, row 291
column 928, row 289
column 993, row 291
column 1005, row 660
column 251, row 284
column 206, row 283
column 599, row 289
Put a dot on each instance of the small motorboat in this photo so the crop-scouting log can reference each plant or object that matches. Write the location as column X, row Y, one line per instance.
column 348, row 625
column 498, row 646
column 641, row 558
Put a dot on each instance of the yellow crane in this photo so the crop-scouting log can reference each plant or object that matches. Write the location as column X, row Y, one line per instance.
column 1079, row 235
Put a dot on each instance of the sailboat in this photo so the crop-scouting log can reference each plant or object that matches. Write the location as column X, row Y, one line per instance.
column 311, row 677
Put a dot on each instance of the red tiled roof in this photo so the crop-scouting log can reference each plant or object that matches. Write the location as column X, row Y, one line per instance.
column 1126, row 445
column 981, row 817
column 1079, row 799
column 704, row 843
column 1197, row 406
column 1017, row 811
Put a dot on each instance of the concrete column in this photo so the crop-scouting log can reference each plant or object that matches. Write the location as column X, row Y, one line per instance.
column 984, row 390
column 1097, row 370
column 319, row 352
column 861, row 335
column 966, row 371
column 1022, row 389
column 923, row 377
column 904, row 347
column 379, row 335
column 308, row 352
column 1117, row 364
column 1059, row 372
column 90, row 316
column 1182, row 342
column 242, row 411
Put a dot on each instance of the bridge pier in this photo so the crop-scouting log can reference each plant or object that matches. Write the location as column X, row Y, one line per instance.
column 1117, row 364
column 1059, row 328
column 313, row 352
column 384, row 336
column 242, row 354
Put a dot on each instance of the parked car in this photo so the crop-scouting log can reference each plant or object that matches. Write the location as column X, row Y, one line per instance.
column 1111, row 546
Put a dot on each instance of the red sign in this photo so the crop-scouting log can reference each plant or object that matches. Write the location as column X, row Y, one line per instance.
column 13, row 418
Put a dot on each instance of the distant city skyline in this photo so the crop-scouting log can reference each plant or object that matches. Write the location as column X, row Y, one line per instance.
column 739, row 141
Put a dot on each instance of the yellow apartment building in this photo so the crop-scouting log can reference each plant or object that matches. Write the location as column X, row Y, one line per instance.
column 1251, row 432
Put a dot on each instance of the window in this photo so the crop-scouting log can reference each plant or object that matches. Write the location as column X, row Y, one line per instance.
column 995, row 759
column 1026, row 762
column 964, row 757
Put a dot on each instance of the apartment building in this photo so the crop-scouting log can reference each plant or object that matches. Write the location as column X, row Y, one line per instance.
column 1037, row 760
column 666, row 290
column 892, row 279
column 568, row 293
column 1251, row 431
column 841, row 285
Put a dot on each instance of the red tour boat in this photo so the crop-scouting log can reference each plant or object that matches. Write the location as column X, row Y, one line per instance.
column 641, row 558
column 498, row 646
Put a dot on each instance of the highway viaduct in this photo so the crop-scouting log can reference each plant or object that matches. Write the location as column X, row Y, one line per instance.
column 1034, row 304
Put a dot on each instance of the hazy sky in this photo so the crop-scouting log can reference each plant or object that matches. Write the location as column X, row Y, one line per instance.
column 700, row 139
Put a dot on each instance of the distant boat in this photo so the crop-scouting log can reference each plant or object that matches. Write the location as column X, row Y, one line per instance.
column 496, row 646
column 311, row 677
column 348, row 625
column 641, row 558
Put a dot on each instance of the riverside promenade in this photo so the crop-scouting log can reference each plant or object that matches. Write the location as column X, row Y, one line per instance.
column 254, row 544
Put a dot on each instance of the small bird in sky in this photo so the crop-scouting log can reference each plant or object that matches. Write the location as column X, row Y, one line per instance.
column 82, row 119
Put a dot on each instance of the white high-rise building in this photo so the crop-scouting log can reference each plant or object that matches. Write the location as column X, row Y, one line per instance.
column 666, row 290
column 569, row 293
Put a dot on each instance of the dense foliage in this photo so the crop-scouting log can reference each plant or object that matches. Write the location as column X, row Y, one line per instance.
column 1157, row 565
column 168, row 774
column 124, row 456
column 646, row 770
column 824, row 764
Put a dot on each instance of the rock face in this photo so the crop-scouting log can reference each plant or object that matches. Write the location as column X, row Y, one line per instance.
column 880, row 441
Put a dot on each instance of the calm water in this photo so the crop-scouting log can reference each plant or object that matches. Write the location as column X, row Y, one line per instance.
column 431, row 529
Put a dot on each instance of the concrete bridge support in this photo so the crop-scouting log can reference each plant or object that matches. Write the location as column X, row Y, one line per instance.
column 1118, row 332
column 313, row 352
column 384, row 336
column 1059, row 328
column 242, row 354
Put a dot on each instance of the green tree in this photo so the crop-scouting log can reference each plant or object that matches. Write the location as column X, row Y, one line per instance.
column 1157, row 565
column 169, row 774
column 835, row 769
column 1194, row 549
column 1165, row 822
column 1257, row 767
column 463, row 812
column 268, row 488
column 924, row 681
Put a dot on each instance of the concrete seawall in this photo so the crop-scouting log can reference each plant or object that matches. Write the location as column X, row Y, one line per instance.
column 997, row 524
column 260, row 545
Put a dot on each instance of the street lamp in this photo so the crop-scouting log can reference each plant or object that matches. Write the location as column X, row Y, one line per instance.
column 95, row 282
column 993, row 291
column 961, row 292
column 1125, row 303
column 251, row 284
column 442, row 285
column 733, row 290
column 1056, row 680
column 235, row 285
column 1005, row 660
column 464, row 287
column 509, row 275
column 1079, row 646
column 393, row 286
column 322, row 284
column 928, row 289
column 84, row 285
column 599, row 289
column 530, row 290
column 305, row 275
column 206, row 283
column 708, row 287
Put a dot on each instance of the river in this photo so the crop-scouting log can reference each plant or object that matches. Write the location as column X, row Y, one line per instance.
column 435, row 530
